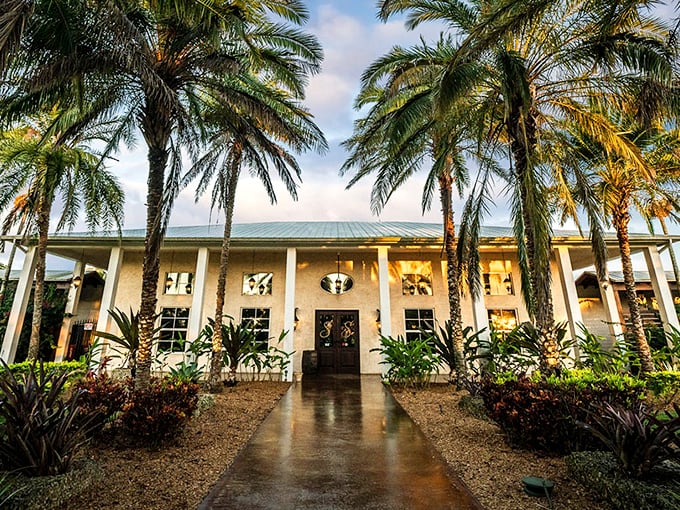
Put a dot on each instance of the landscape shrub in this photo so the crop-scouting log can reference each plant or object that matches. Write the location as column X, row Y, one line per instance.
column 41, row 431
column 157, row 415
column 543, row 414
column 101, row 398
column 74, row 369
column 639, row 439
column 411, row 362
column 599, row 472
column 663, row 384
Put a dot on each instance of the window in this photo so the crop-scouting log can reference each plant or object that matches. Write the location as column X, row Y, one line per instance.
column 418, row 321
column 257, row 319
column 179, row 283
column 497, row 278
column 416, row 284
column 173, row 329
column 502, row 320
column 257, row 284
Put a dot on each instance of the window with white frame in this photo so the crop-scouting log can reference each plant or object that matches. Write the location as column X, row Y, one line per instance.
column 418, row 322
column 179, row 283
column 173, row 329
column 416, row 277
column 257, row 320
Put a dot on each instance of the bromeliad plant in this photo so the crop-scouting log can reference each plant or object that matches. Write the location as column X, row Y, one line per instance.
column 41, row 431
column 237, row 341
column 639, row 439
column 411, row 362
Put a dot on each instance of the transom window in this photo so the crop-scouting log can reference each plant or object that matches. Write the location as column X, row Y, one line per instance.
column 257, row 284
column 173, row 329
column 258, row 320
column 179, row 283
column 497, row 278
column 418, row 322
column 416, row 277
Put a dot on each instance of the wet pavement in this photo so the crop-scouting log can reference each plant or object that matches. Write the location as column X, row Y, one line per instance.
column 339, row 443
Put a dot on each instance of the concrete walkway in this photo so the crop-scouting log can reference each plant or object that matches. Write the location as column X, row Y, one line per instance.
column 338, row 443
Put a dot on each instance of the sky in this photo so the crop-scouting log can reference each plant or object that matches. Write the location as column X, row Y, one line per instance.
column 352, row 37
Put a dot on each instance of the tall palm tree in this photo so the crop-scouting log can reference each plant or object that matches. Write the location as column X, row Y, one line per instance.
column 541, row 58
column 158, row 63
column 42, row 162
column 402, row 131
column 260, row 133
column 620, row 186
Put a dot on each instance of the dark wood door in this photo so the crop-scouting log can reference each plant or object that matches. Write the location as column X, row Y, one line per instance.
column 337, row 341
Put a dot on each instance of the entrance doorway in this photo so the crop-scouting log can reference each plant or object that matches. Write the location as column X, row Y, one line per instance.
column 337, row 341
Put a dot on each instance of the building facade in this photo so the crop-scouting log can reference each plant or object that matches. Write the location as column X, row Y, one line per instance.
column 332, row 287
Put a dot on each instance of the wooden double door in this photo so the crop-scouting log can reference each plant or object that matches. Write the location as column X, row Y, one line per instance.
column 337, row 341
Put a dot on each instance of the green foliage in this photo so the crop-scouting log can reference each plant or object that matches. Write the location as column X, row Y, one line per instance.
column 270, row 360
column 73, row 369
column 411, row 363
column 157, row 415
column 42, row 431
column 660, row 341
column 595, row 357
column 444, row 346
column 599, row 472
column 542, row 414
column 101, row 398
column 638, row 439
column 664, row 384
column 54, row 304
column 184, row 373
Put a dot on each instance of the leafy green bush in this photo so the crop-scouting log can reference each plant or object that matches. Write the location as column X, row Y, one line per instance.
column 157, row 415
column 599, row 472
column 639, row 440
column 101, row 398
column 184, row 372
column 542, row 414
column 41, row 432
column 411, row 363
column 256, row 360
column 663, row 384
column 74, row 369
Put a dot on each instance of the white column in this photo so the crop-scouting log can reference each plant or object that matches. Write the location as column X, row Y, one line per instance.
column 109, row 296
column 289, row 311
column 71, row 309
column 480, row 316
column 16, row 315
column 198, row 297
column 569, row 289
column 611, row 310
column 384, row 288
column 662, row 290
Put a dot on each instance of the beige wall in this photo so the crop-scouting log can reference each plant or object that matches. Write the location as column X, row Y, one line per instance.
column 312, row 266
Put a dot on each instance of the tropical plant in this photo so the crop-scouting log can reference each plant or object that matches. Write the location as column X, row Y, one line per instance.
column 101, row 399
column 257, row 359
column 48, row 158
column 126, row 344
column 184, row 372
column 261, row 138
column 639, row 439
column 42, row 430
column 411, row 362
column 182, row 57
column 529, row 65
column 237, row 341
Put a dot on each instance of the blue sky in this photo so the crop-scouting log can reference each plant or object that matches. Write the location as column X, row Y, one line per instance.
column 352, row 37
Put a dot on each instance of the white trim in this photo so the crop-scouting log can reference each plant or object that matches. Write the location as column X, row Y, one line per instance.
column 662, row 290
column 16, row 316
column 289, row 310
column 71, row 309
column 611, row 311
column 569, row 292
column 200, row 278
column 108, row 296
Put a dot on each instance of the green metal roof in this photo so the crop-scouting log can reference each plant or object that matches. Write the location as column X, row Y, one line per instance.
column 307, row 230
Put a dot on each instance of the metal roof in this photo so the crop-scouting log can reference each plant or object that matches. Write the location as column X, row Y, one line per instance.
column 307, row 230
column 617, row 276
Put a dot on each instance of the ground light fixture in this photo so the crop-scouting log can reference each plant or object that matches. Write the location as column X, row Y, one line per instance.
column 538, row 487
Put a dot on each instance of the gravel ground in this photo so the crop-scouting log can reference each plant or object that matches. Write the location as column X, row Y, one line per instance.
column 178, row 477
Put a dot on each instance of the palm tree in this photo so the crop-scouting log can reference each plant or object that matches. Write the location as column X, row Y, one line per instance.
column 42, row 161
column 540, row 59
column 159, row 63
column 400, row 132
column 258, row 133
column 620, row 185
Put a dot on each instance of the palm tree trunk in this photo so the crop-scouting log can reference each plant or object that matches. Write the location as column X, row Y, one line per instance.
column 216, row 357
column 156, row 128
column 452, row 273
column 538, row 299
column 43, row 223
column 621, row 219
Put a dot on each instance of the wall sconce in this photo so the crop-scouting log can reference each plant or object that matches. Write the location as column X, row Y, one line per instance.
column 296, row 319
column 338, row 281
column 168, row 283
column 188, row 288
column 251, row 283
column 378, row 322
column 77, row 280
